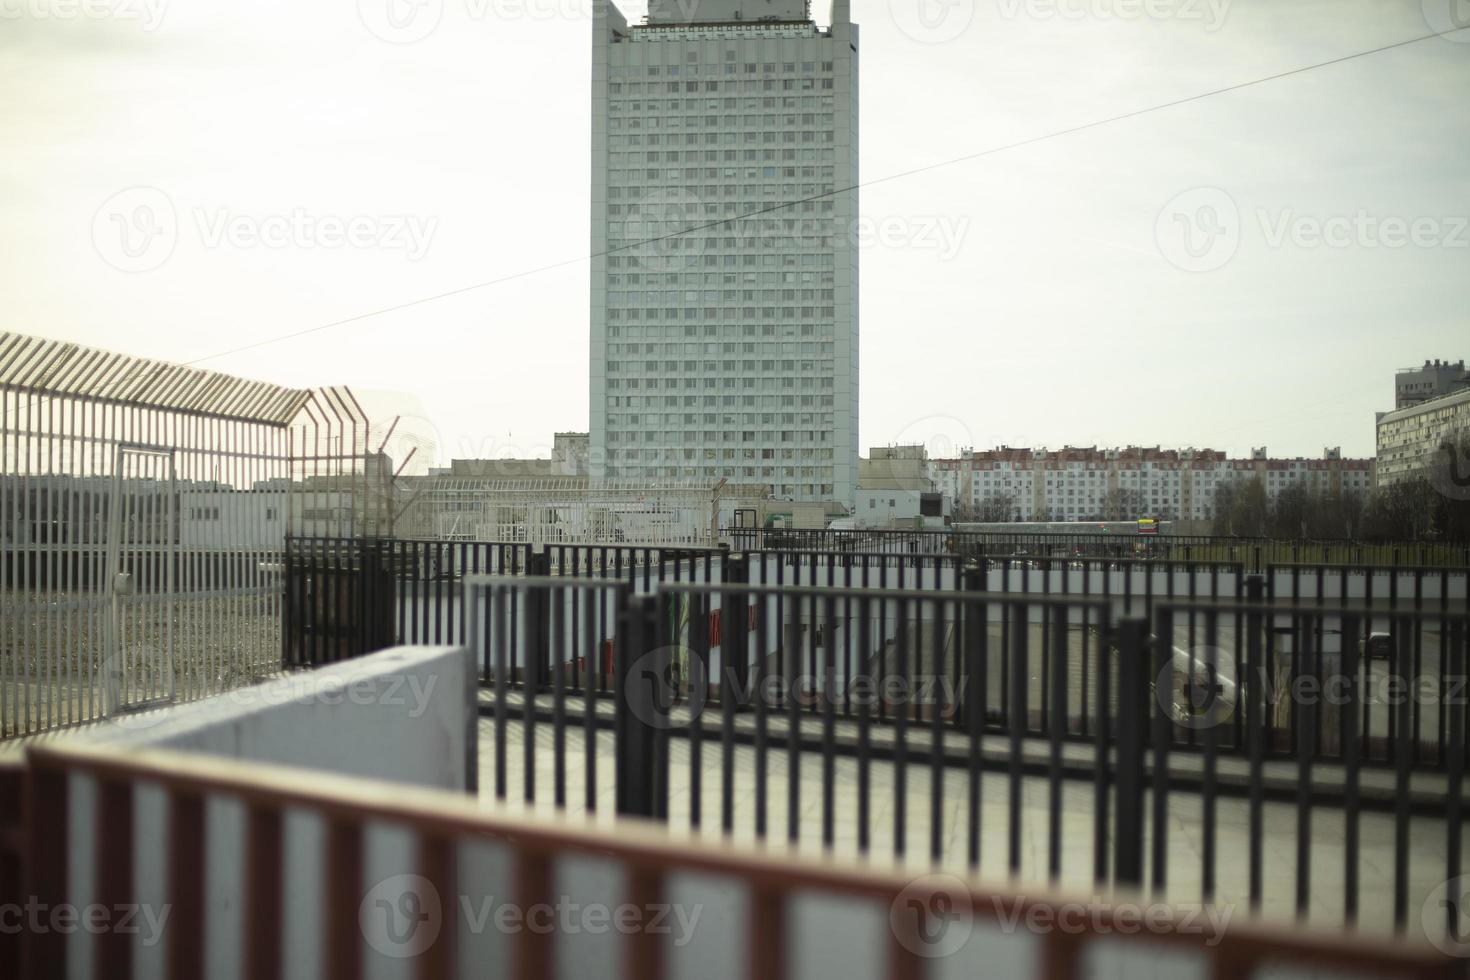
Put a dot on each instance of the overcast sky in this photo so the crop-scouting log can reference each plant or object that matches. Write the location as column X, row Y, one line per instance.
column 179, row 178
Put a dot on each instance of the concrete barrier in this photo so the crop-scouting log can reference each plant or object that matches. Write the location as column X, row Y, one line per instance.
column 406, row 715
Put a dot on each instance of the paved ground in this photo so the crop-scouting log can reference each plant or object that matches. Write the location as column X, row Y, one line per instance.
column 1426, row 837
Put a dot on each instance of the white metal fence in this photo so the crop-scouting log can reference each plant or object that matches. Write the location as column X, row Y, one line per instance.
column 144, row 508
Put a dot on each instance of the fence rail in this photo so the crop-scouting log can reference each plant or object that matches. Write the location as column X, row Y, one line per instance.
column 907, row 920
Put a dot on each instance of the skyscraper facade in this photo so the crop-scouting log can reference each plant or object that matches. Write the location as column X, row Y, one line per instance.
column 724, row 309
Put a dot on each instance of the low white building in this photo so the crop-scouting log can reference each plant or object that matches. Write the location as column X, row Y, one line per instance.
column 896, row 490
column 1080, row 484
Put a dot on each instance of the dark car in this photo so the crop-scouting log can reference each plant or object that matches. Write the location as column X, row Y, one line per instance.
column 1378, row 646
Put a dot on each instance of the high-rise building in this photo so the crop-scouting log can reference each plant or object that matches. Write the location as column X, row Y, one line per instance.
column 724, row 312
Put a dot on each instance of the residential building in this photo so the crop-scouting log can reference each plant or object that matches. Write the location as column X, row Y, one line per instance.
column 1414, row 386
column 1409, row 438
column 724, row 283
column 1081, row 484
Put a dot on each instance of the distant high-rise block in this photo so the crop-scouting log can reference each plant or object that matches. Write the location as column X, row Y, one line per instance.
column 724, row 309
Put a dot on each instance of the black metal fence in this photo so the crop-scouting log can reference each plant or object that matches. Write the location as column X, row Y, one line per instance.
column 1255, row 553
column 730, row 703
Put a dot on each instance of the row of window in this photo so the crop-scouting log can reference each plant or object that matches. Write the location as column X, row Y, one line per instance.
column 705, row 401
column 781, row 490
column 728, row 347
column 785, row 103
column 770, row 365
column 639, row 297
column 640, row 159
column 692, row 67
column 730, row 420
column 672, row 437
column 635, row 118
column 747, row 86
column 728, row 313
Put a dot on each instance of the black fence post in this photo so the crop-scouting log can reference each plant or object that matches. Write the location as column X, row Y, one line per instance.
column 293, row 606
column 537, row 666
column 1253, row 680
column 1133, row 728
column 735, row 621
column 638, row 689
column 972, row 579
column 375, row 598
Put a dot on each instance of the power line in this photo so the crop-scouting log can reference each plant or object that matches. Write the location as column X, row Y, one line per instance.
column 1030, row 141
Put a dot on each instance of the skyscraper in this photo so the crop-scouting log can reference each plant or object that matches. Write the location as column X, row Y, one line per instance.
column 724, row 311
